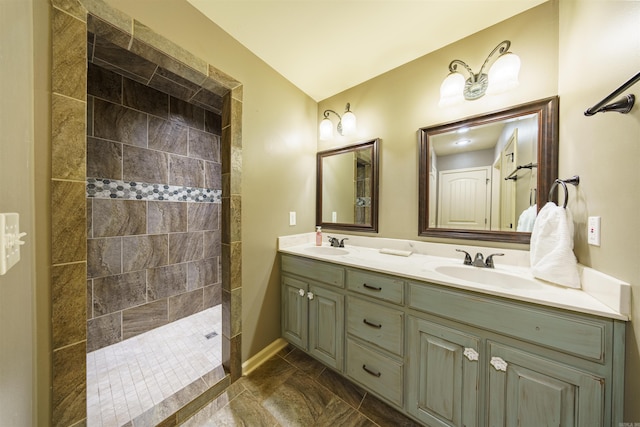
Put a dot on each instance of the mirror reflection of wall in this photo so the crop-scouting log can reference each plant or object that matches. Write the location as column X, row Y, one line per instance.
column 476, row 176
column 347, row 189
column 338, row 192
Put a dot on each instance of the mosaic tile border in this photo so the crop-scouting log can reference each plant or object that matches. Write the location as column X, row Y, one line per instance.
column 101, row 188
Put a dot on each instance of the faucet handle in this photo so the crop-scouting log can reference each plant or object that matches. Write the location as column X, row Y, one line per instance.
column 467, row 257
column 489, row 261
column 342, row 242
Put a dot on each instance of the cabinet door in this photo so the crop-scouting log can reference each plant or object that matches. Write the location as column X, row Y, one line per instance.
column 326, row 326
column 294, row 311
column 527, row 390
column 443, row 374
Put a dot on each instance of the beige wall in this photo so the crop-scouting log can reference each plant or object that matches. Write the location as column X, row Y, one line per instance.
column 279, row 145
column 394, row 105
column 580, row 50
column 16, row 188
column 599, row 51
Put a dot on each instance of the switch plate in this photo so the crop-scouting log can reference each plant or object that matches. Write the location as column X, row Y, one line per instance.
column 334, row 216
column 593, row 231
column 9, row 241
column 292, row 218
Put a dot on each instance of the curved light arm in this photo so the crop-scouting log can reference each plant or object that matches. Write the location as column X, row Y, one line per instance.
column 326, row 114
column 501, row 48
column 453, row 67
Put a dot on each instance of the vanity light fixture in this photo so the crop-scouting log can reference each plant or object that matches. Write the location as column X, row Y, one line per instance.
column 346, row 123
column 501, row 77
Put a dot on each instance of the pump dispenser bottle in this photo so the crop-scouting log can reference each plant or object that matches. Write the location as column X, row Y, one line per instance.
column 318, row 236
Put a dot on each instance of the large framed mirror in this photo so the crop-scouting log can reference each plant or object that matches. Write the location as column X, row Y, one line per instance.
column 486, row 177
column 347, row 187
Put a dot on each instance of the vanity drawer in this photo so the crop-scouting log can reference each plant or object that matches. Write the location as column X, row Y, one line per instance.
column 574, row 334
column 379, row 373
column 376, row 285
column 376, row 324
column 313, row 269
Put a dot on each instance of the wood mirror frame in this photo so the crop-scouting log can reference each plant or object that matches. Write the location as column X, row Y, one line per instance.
column 547, row 157
column 372, row 225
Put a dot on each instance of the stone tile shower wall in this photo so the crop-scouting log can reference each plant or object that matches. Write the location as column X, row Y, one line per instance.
column 153, row 208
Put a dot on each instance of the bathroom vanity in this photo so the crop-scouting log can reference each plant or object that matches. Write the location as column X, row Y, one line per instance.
column 422, row 334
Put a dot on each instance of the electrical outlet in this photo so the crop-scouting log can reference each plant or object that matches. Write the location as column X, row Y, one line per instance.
column 292, row 218
column 593, row 231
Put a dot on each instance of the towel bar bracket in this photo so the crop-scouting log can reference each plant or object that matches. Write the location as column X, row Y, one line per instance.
column 623, row 105
column 574, row 180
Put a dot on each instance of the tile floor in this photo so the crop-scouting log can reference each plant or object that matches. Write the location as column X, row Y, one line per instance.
column 129, row 378
column 292, row 389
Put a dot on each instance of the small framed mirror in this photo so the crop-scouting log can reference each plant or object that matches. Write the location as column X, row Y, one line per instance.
column 347, row 187
column 486, row 177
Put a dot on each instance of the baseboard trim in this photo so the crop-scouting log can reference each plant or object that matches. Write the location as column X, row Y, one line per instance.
column 263, row 355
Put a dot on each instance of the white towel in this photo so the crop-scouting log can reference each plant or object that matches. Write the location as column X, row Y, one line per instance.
column 527, row 219
column 551, row 250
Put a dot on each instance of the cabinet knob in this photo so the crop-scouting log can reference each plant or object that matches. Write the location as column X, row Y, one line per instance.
column 301, row 292
column 310, row 295
column 499, row 364
column 471, row 354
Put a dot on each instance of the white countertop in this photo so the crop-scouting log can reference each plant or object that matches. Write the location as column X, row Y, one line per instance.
column 601, row 295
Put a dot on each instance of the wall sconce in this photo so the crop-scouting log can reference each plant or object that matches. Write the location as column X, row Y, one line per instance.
column 346, row 123
column 503, row 76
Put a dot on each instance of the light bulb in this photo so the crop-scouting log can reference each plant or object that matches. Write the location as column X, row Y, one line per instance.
column 503, row 74
column 326, row 129
column 348, row 123
column 451, row 90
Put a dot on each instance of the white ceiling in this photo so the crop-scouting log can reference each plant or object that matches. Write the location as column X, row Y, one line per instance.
column 327, row 46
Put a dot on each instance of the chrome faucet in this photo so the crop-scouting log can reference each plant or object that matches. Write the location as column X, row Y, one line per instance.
column 479, row 260
column 337, row 243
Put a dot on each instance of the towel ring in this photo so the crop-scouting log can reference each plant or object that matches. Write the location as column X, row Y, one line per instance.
column 575, row 180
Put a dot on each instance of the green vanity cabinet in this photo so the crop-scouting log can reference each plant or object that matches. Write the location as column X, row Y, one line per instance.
column 312, row 312
column 527, row 390
column 452, row 357
column 444, row 374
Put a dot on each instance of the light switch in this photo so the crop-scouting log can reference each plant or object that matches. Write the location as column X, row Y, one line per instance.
column 292, row 218
column 9, row 241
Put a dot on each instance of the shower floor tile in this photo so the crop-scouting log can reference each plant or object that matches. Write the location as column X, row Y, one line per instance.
column 128, row 378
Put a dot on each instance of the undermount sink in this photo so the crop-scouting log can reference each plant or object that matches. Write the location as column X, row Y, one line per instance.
column 327, row 250
column 488, row 277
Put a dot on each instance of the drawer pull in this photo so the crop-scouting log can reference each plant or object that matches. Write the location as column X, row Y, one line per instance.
column 301, row 292
column 370, row 372
column 499, row 364
column 471, row 354
column 373, row 325
column 373, row 288
column 310, row 295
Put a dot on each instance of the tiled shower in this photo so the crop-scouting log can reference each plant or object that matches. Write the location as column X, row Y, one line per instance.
column 153, row 210
column 153, row 169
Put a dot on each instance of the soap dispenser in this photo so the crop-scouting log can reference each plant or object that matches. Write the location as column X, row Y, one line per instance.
column 318, row 236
